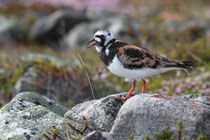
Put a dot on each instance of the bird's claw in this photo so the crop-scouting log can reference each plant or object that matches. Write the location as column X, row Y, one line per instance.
column 122, row 98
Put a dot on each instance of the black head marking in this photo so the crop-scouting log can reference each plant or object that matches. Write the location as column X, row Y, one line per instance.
column 104, row 38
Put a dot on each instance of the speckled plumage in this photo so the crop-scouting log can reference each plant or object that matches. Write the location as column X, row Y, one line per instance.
column 133, row 62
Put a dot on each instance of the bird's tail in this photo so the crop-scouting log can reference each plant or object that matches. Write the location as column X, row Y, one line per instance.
column 187, row 64
column 182, row 64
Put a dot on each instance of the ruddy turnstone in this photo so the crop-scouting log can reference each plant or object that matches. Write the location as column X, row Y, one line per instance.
column 132, row 62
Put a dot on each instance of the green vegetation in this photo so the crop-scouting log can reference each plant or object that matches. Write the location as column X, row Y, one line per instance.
column 42, row 68
column 131, row 137
column 167, row 135
column 78, row 134
column 147, row 137
column 160, row 32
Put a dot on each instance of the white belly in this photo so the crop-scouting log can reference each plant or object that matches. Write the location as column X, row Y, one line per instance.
column 116, row 67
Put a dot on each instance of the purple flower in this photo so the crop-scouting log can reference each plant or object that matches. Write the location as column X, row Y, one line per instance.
column 178, row 89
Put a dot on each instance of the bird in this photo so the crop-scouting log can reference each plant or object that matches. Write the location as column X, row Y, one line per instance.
column 132, row 62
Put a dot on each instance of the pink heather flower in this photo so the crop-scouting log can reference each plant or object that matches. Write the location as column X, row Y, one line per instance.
column 178, row 89
column 113, row 5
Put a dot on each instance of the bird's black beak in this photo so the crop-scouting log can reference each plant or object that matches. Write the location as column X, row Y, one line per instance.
column 90, row 43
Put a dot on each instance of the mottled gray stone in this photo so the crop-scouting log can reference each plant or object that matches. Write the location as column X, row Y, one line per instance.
column 146, row 114
column 98, row 13
column 26, row 118
column 21, row 119
column 70, row 89
column 197, row 98
column 38, row 99
column 100, row 113
column 146, row 12
column 194, row 27
column 52, row 28
column 98, row 135
column 123, row 27
column 46, row 58
column 11, row 31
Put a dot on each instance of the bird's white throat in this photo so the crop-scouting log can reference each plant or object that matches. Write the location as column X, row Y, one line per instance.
column 98, row 48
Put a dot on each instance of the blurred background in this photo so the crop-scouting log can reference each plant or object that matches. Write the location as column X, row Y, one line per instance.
column 41, row 46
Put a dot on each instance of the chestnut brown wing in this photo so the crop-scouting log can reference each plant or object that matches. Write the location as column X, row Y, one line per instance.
column 133, row 57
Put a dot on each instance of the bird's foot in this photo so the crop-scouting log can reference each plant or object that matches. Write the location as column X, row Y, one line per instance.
column 122, row 98
column 129, row 93
column 144, row 86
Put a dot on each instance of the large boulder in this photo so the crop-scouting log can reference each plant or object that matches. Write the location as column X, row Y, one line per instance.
column 52, row 28
column 192, row 28
column 37, row 99
column 51, row 77
column 98, row 13
column 146, row 114
column 98, row 135
column 100, row 113
column 27, row 117
column 11, row 31
column 123, row 27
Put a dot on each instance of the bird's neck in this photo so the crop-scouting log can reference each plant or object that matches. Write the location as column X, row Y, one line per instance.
column 102, row 49
column 108, row 53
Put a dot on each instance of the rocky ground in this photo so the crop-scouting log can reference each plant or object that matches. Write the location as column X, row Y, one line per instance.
column 32, row 116
column 52, row 88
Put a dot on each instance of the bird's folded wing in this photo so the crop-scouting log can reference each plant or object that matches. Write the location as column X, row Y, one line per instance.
column 134, row 57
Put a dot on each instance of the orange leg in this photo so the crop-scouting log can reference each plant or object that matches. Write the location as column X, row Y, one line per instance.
column 144, row 86
column 129, row 93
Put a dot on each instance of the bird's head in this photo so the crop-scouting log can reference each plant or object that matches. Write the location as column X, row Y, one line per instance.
column 102, row 39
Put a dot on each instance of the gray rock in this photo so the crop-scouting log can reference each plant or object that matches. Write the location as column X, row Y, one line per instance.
column 11, row 31
column 69, row 88
column 146, row 114
column 124, row 28
column 52, row 28
column 37, row 99
column 146, row 12
column 195, row 28
column 21, row 119
column 192, row 23
column 169, row 25
column 98, row 135
column 46, row 58
column 98, row 13
column 100, row 114
column 197, row 98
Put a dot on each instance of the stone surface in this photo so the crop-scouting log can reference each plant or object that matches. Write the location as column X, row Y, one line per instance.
column 37, row 99
column 195, row 28
column 11, row 31
column 98, row 135
column 52, row 28
column 21, row 119
column 123, row 27
column 58, row 83
column 47, row 58
column 100, row 113
column 197, row 98
column 98, row 13
column 146, row 114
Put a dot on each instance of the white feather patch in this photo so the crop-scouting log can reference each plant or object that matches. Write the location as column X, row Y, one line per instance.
column 116, row 67
column 97, row 39
column 98, row 48
column 107, row 51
